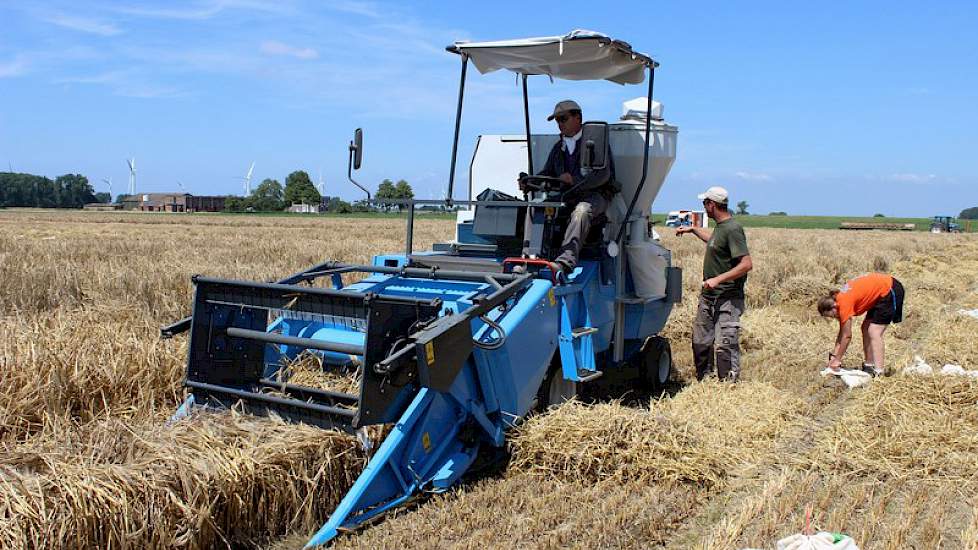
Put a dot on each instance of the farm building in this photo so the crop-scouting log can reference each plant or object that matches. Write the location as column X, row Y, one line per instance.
column 305, row 208
column 173, row 202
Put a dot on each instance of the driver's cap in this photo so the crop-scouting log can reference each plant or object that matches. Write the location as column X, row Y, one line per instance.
column 563, row 107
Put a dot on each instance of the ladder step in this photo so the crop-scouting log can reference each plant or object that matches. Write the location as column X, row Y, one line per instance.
column 584, row 375
column 583, row 331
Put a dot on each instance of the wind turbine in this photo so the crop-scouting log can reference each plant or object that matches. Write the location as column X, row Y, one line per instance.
column 108, row 181
column 180, row 185
column 247, row 179
column 132, row 175
column 322, row 184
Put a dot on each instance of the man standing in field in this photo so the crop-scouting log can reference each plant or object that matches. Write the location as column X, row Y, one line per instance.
column 725, row 266
column 880, row 297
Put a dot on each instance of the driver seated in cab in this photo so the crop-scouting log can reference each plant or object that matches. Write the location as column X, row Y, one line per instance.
column 593, row 190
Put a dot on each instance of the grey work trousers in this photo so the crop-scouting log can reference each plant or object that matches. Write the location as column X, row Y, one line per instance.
column 717, row 315
column 585, row 211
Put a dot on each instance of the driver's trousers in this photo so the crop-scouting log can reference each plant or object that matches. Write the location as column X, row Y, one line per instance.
column 589, row 207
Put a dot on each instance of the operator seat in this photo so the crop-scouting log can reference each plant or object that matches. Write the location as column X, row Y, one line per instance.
column 593, row 243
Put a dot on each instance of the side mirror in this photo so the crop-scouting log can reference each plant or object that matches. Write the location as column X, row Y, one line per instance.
column 594, row 137
column 356, row 147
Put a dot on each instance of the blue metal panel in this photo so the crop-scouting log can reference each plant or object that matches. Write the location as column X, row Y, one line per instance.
column 423, row 452
column 643, row 320
column 519, row 367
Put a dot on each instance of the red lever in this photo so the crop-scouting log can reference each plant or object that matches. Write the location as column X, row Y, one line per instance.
column 546, row 264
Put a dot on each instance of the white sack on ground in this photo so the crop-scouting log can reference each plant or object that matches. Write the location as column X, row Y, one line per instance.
column 818, row 541
column 851, row 377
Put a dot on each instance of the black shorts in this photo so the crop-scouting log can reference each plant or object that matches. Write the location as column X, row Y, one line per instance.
column 889, row 308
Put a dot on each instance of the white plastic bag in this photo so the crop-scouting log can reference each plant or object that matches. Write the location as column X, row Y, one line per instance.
column 818, row 541
column 851, row 377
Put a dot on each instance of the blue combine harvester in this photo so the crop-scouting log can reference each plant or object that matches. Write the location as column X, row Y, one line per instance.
column 454, row 346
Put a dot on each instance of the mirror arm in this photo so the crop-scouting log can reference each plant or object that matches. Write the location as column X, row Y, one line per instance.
column 349, row 171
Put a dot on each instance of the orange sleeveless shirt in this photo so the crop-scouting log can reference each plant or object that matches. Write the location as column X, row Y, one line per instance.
column 860, row 294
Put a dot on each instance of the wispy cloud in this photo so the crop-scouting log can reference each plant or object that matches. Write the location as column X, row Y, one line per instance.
column 205, row 10
column 15, row 67
column 754, row 176
column 83, row 24
column 273, row 47
column 366, row 9
column 127, row 84
column 912, row 178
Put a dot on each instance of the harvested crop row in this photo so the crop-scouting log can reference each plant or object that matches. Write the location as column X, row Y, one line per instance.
column 917, row 427
column 214, row 481
column 528, row 511
column 699, row 436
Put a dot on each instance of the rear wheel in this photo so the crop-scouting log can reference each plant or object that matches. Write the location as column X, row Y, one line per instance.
column 555, row 389
column 656, row 363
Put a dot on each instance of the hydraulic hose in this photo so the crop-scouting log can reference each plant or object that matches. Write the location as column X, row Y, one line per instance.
column 494, row 344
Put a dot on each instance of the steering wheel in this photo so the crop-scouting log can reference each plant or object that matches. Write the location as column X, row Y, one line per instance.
column 541, row 183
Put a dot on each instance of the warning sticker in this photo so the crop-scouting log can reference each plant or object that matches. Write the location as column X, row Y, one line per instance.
column 429, row 352
column 553, row 298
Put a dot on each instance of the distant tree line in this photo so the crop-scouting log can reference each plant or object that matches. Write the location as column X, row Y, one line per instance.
column 969, row 213
column 271, row 196
column 28, row 190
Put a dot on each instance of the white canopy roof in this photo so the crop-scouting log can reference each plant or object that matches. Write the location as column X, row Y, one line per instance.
column 578, row 55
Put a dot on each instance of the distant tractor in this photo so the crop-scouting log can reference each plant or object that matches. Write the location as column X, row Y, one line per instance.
column 944, row 224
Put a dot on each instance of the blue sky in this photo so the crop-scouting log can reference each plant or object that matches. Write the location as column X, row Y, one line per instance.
column 811, row 108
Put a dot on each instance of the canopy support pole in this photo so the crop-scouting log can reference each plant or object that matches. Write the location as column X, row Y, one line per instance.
column 618, row 348
column 526, row 117
column 458, row 123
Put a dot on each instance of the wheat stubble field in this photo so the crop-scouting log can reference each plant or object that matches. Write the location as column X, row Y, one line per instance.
column 85, row 461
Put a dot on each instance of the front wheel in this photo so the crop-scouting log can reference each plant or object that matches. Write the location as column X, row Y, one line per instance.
column 555, row 389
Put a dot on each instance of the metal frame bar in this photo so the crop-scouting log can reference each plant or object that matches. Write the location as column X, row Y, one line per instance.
column 458, row 123
column 511, row 204
column 306, row 393
column 272, row 403
column 183, row 325
column 335, row 268
column 309, row 343
column 526, row 118
column 409, row 238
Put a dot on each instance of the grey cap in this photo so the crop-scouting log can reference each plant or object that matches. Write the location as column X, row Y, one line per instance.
column 563, row 107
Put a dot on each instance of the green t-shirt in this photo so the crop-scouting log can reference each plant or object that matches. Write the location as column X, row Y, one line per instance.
column 726, row 246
